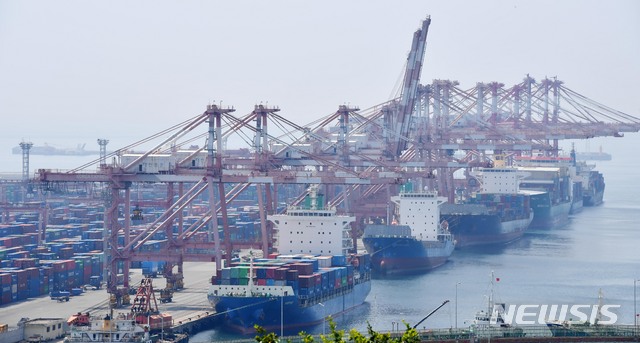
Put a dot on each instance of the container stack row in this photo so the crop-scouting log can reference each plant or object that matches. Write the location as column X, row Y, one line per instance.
column 309, row 276
column 30, row 277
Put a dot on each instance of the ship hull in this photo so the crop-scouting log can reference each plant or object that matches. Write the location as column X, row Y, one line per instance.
column 240, row 314
column 547, row 215
column 576, row 206
column 594, row 199
column 577, row 198
column 562, row 331
column 485, row 229
column 405, row 255
column 594, row 193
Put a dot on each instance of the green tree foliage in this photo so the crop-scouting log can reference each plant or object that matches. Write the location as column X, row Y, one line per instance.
column 338, row 336
column 264, row 337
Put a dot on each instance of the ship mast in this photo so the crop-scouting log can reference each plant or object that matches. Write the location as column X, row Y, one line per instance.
column 250, row 283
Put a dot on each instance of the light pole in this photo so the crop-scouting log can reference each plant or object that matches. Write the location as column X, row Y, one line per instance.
column 393, row 327
column 457, row 283
column 635, row 310
column 324, row 318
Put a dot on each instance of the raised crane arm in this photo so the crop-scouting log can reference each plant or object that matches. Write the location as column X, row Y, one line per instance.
column 409, row 88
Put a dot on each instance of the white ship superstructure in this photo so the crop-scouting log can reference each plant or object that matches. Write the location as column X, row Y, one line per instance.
column 312, row 229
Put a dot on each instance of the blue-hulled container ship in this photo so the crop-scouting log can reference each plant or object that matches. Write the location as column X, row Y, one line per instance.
column 313, row 276
column 498, row 214
column 415, row 241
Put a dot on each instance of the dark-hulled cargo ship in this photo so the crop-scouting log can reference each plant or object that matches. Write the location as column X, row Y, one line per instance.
column 313, row 277
column 550, row 187
column 415, row 242
column 499, row 214
column 578, row 174
column 593, row 193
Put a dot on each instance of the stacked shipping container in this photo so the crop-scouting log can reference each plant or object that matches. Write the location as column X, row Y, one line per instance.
column 309, row 276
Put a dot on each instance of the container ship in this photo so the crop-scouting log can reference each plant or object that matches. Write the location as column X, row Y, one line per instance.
column 498, row 214
column 313, row 276
column 49, row 150
column 591, row 184
column 415, row 241
column 579, row 173
column 593, row 191
column 593, row 155
column 550, row 187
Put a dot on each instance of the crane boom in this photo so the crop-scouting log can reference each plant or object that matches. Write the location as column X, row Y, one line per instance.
column 430, row 313
column 410, row 87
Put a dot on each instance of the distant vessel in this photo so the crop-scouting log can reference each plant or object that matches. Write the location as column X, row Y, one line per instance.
column 313, row 278
column 593, row 155
column 499, row 214
column 51, row 150
column 415, row 242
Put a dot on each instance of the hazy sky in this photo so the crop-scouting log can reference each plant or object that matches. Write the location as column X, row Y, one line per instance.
column 74, row 71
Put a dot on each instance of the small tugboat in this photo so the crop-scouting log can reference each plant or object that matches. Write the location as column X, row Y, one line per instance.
column 135, row 326
column 84, row 328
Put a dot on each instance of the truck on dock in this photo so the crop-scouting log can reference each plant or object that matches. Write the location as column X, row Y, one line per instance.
column 151, row 269
column 95, row 283
column 60, row 295
column 166, row 295
column 76, row 291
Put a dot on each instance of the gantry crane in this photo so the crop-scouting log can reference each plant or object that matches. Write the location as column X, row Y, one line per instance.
column 355, row 154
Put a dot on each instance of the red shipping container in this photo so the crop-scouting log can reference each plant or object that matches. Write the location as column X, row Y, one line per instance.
column 5, row 242
column 32, row 273
column 29, row 228
column 303, row 268
column 31, row 238
column 87, row 272
column 71, row 264
column 6, row 298
column 22, row 276
column 306, row 281
column 59, row 266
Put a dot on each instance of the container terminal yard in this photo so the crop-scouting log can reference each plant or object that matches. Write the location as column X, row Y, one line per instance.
column 186, row 306
column 165, row 210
